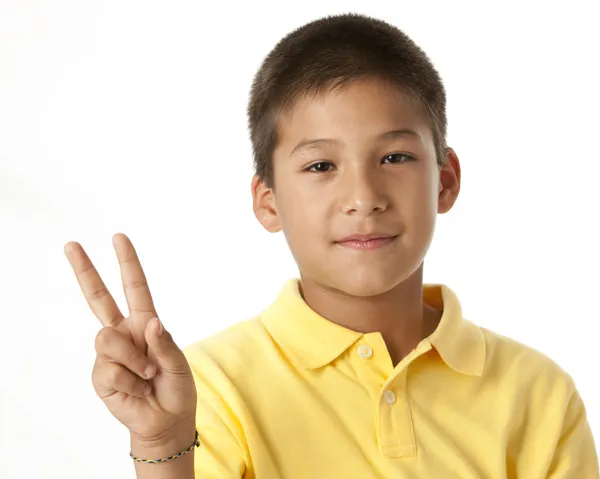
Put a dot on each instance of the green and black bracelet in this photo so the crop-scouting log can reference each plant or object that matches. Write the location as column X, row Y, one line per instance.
column 183, row 453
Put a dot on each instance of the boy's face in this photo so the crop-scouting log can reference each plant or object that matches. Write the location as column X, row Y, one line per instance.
column 363, row 180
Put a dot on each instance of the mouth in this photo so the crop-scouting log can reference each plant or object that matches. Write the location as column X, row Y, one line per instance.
column 366, row 242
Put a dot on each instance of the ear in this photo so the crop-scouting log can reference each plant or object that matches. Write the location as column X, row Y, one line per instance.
column 264, row 205
column 449, row 183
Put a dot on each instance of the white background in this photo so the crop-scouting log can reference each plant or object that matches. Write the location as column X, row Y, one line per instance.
column 129, row 116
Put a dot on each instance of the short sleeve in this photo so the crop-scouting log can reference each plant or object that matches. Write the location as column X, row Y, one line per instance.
column 222, row 452
column 575, row 456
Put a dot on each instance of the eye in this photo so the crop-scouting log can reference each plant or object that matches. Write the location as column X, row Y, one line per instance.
column 395, row 158
column 320, row 167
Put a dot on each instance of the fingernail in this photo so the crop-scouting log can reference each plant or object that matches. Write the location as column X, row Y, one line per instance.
column 147, row 389
column 149, row 371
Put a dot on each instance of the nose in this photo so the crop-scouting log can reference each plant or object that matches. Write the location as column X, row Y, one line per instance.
column 364, row 195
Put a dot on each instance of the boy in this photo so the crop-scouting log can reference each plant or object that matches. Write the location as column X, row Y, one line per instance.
column 357, row 369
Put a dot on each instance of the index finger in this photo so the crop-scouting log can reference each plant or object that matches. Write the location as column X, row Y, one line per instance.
column 94, row 290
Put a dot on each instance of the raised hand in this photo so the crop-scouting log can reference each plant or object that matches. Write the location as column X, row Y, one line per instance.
column 140, row 373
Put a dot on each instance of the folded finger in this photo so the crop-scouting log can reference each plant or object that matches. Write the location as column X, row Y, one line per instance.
column 111, row 378
column 112, row 346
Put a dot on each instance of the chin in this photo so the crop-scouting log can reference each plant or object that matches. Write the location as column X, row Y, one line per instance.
column 364, row 285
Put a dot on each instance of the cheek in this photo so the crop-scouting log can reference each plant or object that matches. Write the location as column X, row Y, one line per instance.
column 421, row 220
column 417, row 206
column 305, row 227
column 302, row 213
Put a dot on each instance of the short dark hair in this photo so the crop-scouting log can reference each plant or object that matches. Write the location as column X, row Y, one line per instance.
column 331, row 52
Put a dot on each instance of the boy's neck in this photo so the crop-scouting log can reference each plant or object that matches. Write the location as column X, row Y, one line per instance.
column 399, row 315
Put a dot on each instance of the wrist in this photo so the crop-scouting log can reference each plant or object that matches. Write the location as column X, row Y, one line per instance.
column 173, row 442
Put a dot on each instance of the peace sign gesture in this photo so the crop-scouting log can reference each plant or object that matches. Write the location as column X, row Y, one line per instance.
column 140, row 373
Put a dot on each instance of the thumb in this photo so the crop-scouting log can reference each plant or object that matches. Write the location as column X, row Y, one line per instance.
column 167, row 354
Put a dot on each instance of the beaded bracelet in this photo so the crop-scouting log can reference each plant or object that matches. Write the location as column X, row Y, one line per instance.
column 183, row 453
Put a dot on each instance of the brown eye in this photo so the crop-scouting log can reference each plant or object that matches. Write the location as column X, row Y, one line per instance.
column 395, row 158
column 320, row 167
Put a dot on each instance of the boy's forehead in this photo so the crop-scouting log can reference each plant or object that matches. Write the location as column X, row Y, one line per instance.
column 364, row 108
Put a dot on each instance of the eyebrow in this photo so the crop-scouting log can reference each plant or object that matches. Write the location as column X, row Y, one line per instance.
column 324, row 142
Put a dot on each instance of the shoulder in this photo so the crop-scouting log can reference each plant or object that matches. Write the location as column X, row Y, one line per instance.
column 237, row 347
column 525, row 367
column 538, row 402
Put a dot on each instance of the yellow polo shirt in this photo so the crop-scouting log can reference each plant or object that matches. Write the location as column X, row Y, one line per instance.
column 291, row 395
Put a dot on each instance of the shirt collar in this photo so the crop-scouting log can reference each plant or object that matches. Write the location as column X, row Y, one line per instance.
column 314, row 341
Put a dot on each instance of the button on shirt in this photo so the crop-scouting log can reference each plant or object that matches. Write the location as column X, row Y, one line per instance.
column 291, row 395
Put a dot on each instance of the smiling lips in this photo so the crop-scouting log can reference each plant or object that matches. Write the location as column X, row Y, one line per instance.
column 366, row 242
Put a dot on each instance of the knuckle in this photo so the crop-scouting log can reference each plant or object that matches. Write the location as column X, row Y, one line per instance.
column 133, row 285
column 104, row 338
column 99, row 293
column 102, row 375
column 150, row 311
column 94, row 374
column 115, row 320
column 116, row 376
column 180, row 371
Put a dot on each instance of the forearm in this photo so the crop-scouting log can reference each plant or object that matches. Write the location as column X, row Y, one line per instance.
column 179, row 468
